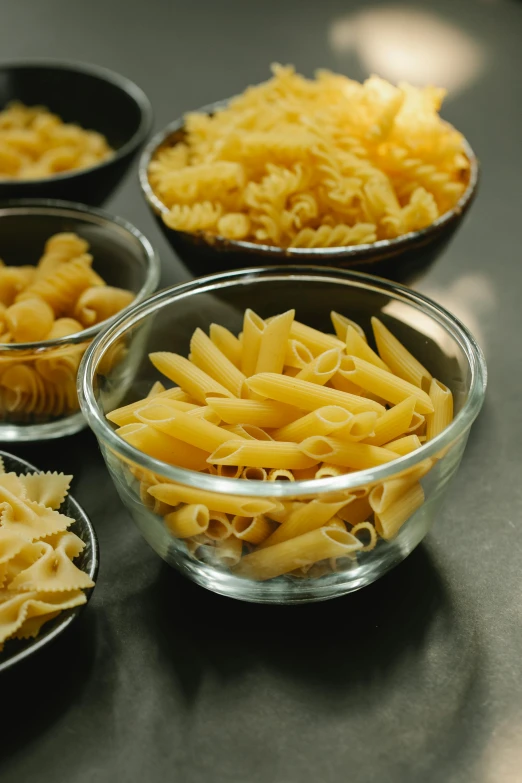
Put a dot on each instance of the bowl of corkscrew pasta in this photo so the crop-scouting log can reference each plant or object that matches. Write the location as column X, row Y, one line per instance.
column 322, row 171
column 65, row 271
column 293, row 432
column 68, row 130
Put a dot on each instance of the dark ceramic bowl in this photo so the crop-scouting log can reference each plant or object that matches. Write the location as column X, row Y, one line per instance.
column 401, row 259
column 16, row 650
column 96, row 99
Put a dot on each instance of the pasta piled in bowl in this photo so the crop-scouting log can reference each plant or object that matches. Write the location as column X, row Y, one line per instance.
column 286, row 455
column 65, row 271
column 325, row 170
column 67, row 130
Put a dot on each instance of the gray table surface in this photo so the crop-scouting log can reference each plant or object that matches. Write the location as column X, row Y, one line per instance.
column 416, row 678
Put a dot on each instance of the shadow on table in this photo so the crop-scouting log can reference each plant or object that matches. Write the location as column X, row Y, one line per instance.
column 37, row 691
column 331, row 643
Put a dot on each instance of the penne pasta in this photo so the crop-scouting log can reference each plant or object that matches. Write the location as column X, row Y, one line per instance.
column 120, row 416
column 389, row 522
column 229, row 471
column 200, row 412
column 248, row 431
column 274, row 339
column 329, row 471
column 279, row 559
column 357, row 511
column 404, row 445
column 360, row 427
column 306, row 474
column 163, row 447
column 280, row 474
column 341, row 324
column 368, row 528
column 297, row 354
column 386, row 385
column 186, row 375
column 394, row 423
column 384, row 495
column 253, row 328
column 253, row 474
column 219, row 527
column 216, row 501
column 228, row 551
column 322, row 421
column 358, row 456
column 205, row 355
column 252, row 529
column 306, row 395
column 356, row 346
column 191, row 520
column 309, row 516
column 442, row 415
column 189, row 429
column 227, row 343
column 260, row 413
column 398, row 358
column 317, row 342
column 257, row 454
column 322, row 368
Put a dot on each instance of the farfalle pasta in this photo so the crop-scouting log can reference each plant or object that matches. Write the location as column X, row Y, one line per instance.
column 284, row 401
column 62, row 295
column 35, row 144
column 38, row 578
column 326, row 162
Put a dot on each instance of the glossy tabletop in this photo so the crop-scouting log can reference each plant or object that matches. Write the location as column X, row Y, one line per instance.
column 417, row 678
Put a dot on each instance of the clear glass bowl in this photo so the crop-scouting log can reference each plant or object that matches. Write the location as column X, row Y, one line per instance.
column 166, row 322
column 42, row 402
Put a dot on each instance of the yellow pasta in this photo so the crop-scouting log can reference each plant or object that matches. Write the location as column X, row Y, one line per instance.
column 35, row 144
column 398, row 358
column 289, row 428
column 341, row 324
column 313, row 163
column 442, row 415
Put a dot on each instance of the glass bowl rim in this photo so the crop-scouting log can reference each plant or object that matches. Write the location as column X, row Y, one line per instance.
column 37, row 643
column 125, row 84
column 104, row 220
column 281, row 489
column 296, row 254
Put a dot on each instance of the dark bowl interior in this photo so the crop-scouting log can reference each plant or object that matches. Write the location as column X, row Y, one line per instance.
column 92, row 97
column 402, row 259
column 18, row 649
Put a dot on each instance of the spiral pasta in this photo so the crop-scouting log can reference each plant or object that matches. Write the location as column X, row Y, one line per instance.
column 313, row 163
column 34, row 143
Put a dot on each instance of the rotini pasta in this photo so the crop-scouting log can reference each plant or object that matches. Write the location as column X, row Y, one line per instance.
column 301, row 163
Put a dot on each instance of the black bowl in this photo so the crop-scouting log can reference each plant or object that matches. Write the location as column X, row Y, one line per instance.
column 16, row 650
column 93, row 97
column 401, row 259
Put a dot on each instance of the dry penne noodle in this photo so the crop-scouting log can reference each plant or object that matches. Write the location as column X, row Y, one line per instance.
column 356, row 346
column 160, row 446
column 386, row 385
column 398, row 358
column 309, row 548
column 252, row 474
column 248, row 431
column 418, row 424
column 187, row 376
column 384, row 495
column 191, row 520
column 392, row 424
column 260, row 413
column 228, row 551
column 360, row 427
column 181, row 425
column 272, row 347
column 358, row 456
column 322, row 421
column 126, row 414
column 252, row 529
column 219, row 527
column 317, row 342
column 341, row 324
column 389, row 522
column 367, row 527
column 404, row 445
column 228, row 471
column 217, row 501
column 257, row 454
column 357, row 511
column 205, row 355
column 327, row 471
column 322, row 368
column 297, row 354
column 442, row 415
column 306, row 395
column 280, row 474
column 199, row 412
column 309, row 516
column 228, row 343
column 253, row 328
